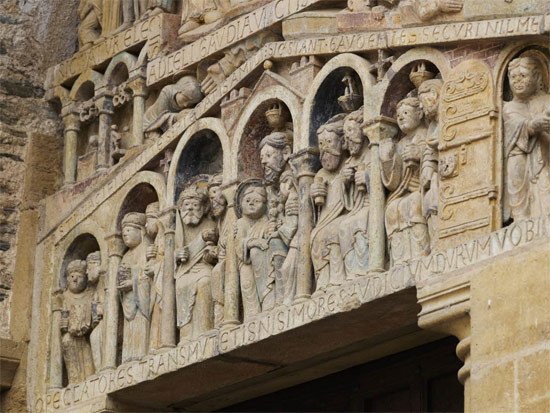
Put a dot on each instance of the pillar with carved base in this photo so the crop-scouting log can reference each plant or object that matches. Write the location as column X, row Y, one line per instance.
column 116, row 250
column 306, row 163
column 139, row 89
column 71, row 122
column 446, row 309
column 168, row 317
column 376, row 130
column 56, row 355
column 231, row 316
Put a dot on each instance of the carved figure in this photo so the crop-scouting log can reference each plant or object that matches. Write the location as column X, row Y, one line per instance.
column 406, row 226
column 275, row 151
column 184, row 94
column 353, row 229
column 252, row 248
column 154, row 269
column 117, row 152
column 218, row 209
column 96, row 281
column 133, row 10
column 201, row 12
column 90, row 13
column 429, row 93
column 77, row 323
column 197, row 235
column 428, row 9
column 135, row 288
column 527, row 138
column 328, row 194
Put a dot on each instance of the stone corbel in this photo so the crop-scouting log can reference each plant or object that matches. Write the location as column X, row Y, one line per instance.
column 231, row 316
column 305, row 163
column 71, row 123
column 116, row 250
column 376, row 130
column 445, row 305
column 140, row 92
column 168, row 315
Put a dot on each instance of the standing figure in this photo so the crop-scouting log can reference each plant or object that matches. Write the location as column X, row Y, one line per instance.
column 252, row 248
column 429, row 93
column 154, row 269
column 275, row 151
column 218, row 209
column 96, row 281
column 328, row 194
column 90, row 13
column 195, row 236
column 77, row 323
column 135, row 288
column 527, row 138
column 406, row 226
column 353, row 229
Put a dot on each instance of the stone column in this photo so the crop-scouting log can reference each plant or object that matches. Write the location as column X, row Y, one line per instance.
column 56, row 355
column 71, row 122
column 446, row 309
column 105, row 105
column 139, row 89
column 376, row 130
column 116, row 251
column 306, row 163
column 231, row 316
column 168, row 315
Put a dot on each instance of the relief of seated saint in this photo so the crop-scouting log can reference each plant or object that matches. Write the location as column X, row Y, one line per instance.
column 527, row 138
column 406, row 226
column 252, row 248
column 77, row 322
column 173, row 99
column 196, row 237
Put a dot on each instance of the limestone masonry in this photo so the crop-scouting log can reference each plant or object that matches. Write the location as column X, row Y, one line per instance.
column 211, row 200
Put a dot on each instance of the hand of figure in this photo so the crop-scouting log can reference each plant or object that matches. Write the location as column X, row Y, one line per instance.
column 182, row 255
column 124, row 272
column 259, row 243
column 540, row 123
column 318, row 189
column 361, row 178
column 64, row 325
column 411, row 153
column 214, row 77
column 149, row 270
column 451, row 6
column 348, row 172
column 125, row 285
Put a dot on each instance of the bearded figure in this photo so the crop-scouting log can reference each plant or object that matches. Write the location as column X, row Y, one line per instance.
column 252, row 248
column 217, row 211
column 154, row 269
column 328, row 192
column 96, row 281
column 353, row 229
column 429, row 93
column 135, row 288
column 196, row 235
column 406, row 226
column 77, row 323
column 275, row 151
column 527, row 138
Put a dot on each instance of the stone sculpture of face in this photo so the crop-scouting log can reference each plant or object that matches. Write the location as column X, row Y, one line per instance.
column 77, row 281
column 253, row 203
column 131, row 236
column 523, row 81
column 217, row 200
column 429, row 97
column 93, row 270
column 353, row 137
column 273, row 161
column 151, row 226
column 192, row 210
column 330, row 147
column 408, row 118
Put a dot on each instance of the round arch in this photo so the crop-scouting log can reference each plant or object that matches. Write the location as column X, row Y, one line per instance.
column 213, row 124
column 346, row 60
column 126, row 59
column 89, row 75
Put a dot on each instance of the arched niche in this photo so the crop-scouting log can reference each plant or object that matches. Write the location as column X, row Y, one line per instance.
column 322, row 101
column 79, row 249
column 504, row 94
column 397, row 84
column 253, row 126
column 119, row 69
column 188, row 160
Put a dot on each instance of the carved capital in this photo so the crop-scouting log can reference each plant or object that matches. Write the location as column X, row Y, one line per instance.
column 306, row 162
column 139, row 87
column 115, row 245
column 71, row 121
column 379, row 128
